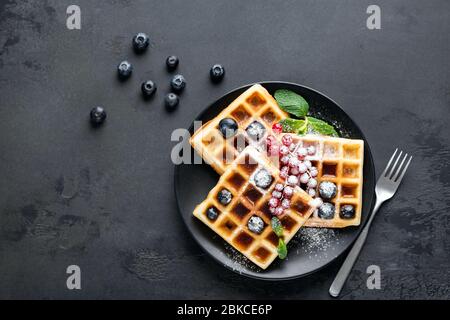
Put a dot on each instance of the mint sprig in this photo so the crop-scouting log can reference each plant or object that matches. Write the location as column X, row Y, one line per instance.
column 321, row 127
column 296, row 105
column 291, row 102
column 294, row 125
column 276, row 226
column 281, row 249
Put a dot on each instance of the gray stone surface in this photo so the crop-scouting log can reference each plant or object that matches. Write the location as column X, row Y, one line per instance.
column 103, row 199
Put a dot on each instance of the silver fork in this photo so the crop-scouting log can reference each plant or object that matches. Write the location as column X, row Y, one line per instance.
column 385, row 189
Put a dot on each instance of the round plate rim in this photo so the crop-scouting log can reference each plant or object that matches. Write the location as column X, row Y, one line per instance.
column 359, row 228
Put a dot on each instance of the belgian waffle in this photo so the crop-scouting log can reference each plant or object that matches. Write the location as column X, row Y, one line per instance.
column 340, row 161
column 250, row 200
column 255, row 104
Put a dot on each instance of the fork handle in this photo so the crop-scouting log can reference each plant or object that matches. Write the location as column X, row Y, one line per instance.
column 347, row 266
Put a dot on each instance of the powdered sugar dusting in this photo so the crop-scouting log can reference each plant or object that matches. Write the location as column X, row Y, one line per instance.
column 316, row 240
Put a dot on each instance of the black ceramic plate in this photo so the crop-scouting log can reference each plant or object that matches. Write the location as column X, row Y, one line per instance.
column 312, row 248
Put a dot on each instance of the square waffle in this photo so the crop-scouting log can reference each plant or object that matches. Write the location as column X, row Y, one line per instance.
column 250, row 200
column 255, row 104
column 340, row 161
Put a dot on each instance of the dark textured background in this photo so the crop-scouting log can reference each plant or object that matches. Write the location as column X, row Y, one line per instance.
column 103, row 199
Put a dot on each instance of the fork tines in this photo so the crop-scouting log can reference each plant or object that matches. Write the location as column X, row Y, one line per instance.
column 397, row 175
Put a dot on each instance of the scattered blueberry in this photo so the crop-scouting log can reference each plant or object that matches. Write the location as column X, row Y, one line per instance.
column 347, row 211
column 171, row 101
column 255, row 224
column 212, row 213
column 97, row 115
column 124, row 69
column 224, row 196
column 140, row 42
column 217, row 73
column 255, row 130
column 172, row 62
column 263, row 178
column 178, row 83
column 228, row 127
column 148, row 88
column 327, row 190
column 326, row 211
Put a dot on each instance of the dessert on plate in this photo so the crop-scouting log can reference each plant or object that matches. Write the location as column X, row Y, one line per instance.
column 277, row 173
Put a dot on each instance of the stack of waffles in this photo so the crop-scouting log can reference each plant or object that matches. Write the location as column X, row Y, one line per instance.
column 244, row 219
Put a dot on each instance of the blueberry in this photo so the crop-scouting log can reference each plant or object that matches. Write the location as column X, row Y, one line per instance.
column 171, row 101
column 224, row 196
column 228, row 127
column 217, row 73
column 263, row 178
column 327, row 190
column 178, row 83
column 212, row 213
column 255, row 130
column 97, row 115
column 172, row 62
column 347, row 211
column 124, row 69
column 148, row 88
column 326, row 211
column 140, row 42
column 255, row 224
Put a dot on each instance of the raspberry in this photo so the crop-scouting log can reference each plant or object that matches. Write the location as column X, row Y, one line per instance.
column 293, row 162
column 308, row 164
column 288, row 192
column 284, row 172
column 312, row 192
column 285, row 159
column 273, row 202
column 292, row 180
column 294, row 171
column 286, row 203
column 279, row 187
column 304, row 178
column 284, row 150
column 292, row 147
column 276, row 194
column 277, row 128
column 301, row 153
column 312, row 183
column 279, row 211
column 287, row 140
column 302, row 168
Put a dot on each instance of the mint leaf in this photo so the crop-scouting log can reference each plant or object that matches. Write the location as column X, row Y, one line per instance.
column 276, row 226
column 293, row 125
column 281, row 249
column 291, row 102
column 321, row 127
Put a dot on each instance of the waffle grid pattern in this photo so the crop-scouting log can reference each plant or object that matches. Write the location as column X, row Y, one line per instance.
column 340, row 161
column 255, row 104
